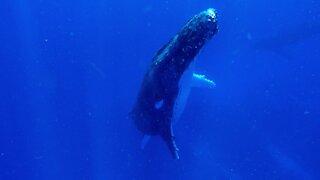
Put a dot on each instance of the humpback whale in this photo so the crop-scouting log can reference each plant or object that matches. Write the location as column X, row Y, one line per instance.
column 163, row 92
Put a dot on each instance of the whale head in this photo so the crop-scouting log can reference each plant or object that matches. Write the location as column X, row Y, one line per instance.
column 190, row 39
column 205, row 24
column 200, row 28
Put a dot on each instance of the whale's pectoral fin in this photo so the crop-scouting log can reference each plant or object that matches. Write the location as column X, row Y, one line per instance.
column 169, row 138
column 144, row 141
column 199, row 80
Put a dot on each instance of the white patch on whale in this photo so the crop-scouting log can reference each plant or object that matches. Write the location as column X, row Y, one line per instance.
column 158, row 104
column 188, row 80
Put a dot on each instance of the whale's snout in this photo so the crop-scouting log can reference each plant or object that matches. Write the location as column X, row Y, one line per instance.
column 209, row 18
column 211, row 14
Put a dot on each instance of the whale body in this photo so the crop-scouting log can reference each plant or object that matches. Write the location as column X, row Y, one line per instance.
column 163, row 91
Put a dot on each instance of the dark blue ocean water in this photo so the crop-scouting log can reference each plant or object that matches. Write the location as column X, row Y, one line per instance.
column 70, row 72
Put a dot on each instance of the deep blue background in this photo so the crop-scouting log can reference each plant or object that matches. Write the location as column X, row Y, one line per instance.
column 70, row 72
